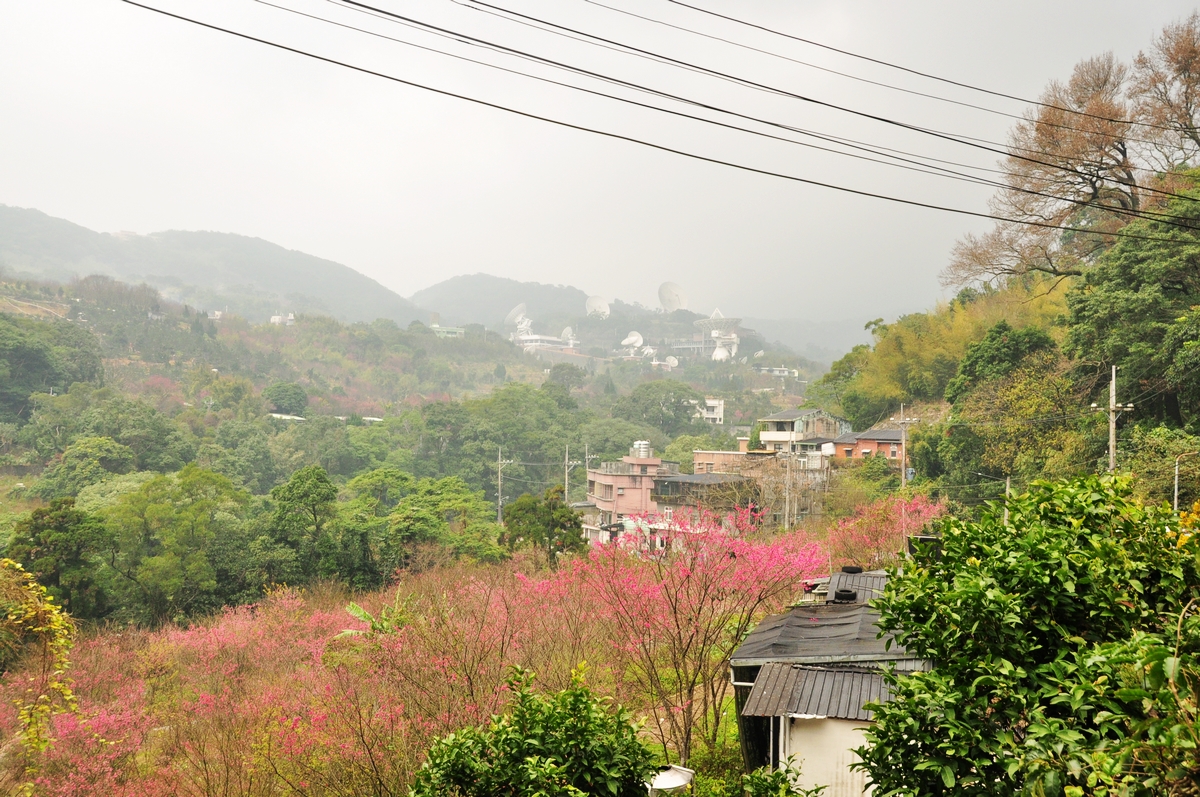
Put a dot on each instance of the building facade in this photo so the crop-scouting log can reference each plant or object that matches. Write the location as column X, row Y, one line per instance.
column 624, row 489
column 783, row 431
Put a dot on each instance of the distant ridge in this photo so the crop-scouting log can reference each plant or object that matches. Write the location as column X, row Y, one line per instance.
column 208, row 270
column 485, row 299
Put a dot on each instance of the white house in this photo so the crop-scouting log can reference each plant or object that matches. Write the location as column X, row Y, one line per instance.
column 802, row 681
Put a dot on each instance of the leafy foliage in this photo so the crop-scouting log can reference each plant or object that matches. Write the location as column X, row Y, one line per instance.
column 565, row 745
column 36, row 356
column 1010, row 614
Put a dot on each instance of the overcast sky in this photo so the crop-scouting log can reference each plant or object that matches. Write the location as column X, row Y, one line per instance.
column 120, row 119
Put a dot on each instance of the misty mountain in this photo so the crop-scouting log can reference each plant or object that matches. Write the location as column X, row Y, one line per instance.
column 484, row 299
column 208, row 270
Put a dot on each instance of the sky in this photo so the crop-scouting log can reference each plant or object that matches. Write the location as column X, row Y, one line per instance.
column 120, row 119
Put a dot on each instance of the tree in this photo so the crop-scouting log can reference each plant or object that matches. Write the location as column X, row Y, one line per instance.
column 567, row 375
column 1000, row 351
column 570, row 744
column 305, row 508
column 38, row 356
column 1135, row 310
column 680, row 610
column 1009, row 611
column 681, row 448
column 666, row 404
column 287, row 397
column 547, row 522
column 89, row 460
column 1165, row 88
column 62, row 547
column 168, row 535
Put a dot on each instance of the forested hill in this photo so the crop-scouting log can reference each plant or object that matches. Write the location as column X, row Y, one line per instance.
column 251, row 277
column 484, row 299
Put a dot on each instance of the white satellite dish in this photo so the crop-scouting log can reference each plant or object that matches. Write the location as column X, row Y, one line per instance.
column 720, row 354
column 648, row 350
column 671, row 297
column 597, row 307
column 633, row 340
column 514, row 315
column 568, row 333
column 743, row 361
column 759, row 353
column 673, row 361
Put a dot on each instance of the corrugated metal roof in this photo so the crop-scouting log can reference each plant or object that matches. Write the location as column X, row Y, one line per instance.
column 868, row 585
column 789, row 415
column 818, row 633
column 789, row 690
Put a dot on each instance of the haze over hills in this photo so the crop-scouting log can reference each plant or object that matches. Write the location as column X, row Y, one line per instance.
column 208, row 270
column 257, row 279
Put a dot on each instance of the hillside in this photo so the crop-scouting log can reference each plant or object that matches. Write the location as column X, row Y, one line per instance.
column 484, row 299
column 249, row 276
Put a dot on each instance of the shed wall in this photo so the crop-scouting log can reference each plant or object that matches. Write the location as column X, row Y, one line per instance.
column 824, row 750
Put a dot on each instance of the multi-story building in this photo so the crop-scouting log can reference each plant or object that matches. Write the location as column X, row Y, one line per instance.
column 624, row 489
column 712, row 411
column 784, row 431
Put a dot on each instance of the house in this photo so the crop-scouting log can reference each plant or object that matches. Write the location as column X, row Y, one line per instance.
column 624, row 489
column 448, row 332
column 802, row 681
column 873, row 442
column 720, row 492
column 784, row 430
column 712, row 411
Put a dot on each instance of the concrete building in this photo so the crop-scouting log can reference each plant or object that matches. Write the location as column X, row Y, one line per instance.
column 712, row 411
column 624, row 489
column 783, row 431
column 883, row 442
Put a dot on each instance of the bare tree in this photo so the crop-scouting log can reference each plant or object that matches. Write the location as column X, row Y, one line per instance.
column 1165, row 92
column 1069, row 164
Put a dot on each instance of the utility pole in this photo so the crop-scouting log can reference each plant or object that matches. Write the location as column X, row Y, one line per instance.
column 568, row 463
column 1181, row 456
column 1007, row 493
column 1114, row 411
column 500, row 463
column 787, row 492
column 904, row 423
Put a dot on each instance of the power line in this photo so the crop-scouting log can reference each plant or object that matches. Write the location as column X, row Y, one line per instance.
column 965, row 140
column 937, row 134
column 917, row 166
column 927, row 75
column 633, row 140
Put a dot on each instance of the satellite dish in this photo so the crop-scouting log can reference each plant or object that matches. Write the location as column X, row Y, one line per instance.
column 597, row 307
column 743, row 361
column 514, row 315
column 633, row 339
column 568, row 333
column 759, row 353
column 648, row 350
column 671, row 297
column 673, row 361
column 720, row 354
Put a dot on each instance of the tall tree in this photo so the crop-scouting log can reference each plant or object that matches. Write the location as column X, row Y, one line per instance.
column 61, row 546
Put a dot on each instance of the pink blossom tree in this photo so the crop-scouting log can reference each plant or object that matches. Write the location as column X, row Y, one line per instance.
column 876, row 535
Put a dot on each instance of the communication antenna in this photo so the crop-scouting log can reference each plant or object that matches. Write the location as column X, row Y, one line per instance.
column 648, row 351
column 671, row 297
column 720, row 354
column 597, row 307
column 673, row 361
column 514, row 315
column 759, row 353
column 633, row 340
column 568, row 333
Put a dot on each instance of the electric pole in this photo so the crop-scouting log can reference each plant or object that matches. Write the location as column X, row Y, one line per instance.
column 904, row 423
column 567, row 465
column 500, row 463
column 1114, row 411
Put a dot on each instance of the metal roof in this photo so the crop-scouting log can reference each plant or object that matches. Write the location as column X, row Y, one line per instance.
column 818, row 633
column 789, row 415
column 783, row 690
column 868, row 585
column 880, row 435
column 701, row 478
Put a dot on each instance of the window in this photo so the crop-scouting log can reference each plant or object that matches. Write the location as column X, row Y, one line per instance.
column 894, row 450
column 620, row 491
column 645, row 469
column 667, row 513
column 607, row 491
column 849, row 453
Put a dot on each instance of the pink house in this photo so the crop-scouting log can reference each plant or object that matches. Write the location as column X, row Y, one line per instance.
column 623, row 489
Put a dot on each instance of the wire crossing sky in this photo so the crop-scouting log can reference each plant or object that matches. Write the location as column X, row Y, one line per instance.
column 125, row 120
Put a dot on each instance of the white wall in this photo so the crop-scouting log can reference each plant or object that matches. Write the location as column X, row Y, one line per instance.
column 823, row 749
